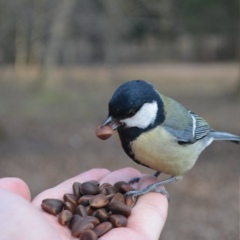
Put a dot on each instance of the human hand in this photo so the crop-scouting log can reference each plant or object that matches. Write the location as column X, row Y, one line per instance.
column 23, row 219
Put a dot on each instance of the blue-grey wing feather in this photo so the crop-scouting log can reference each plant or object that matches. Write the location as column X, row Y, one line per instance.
column 202, row 127
column 184, row 125
column 196, row 129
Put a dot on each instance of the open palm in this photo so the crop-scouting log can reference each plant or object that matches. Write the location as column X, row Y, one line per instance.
column 24, row 219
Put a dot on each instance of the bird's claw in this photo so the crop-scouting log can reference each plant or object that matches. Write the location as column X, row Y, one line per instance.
column 163, row 192
column 136, row 193
column 154, row 187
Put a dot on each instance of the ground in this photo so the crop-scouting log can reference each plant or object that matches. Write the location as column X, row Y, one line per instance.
column 47, row 134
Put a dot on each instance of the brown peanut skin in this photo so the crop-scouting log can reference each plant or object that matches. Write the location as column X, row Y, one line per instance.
column 81, row 210
column 119, row 208
column 104, row 132
column 65, row 217
column 69, row 206
column 101, row 214
column 89, row 188
column 102, row 228
column 88, row 235
column 80, row 226
column 76, row 189
column 98, row 201
column 118, row 220
column 52, row 206
column 92, row 209
column 70, row 197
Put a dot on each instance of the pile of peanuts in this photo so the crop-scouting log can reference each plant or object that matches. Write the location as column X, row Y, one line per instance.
column 92, row 209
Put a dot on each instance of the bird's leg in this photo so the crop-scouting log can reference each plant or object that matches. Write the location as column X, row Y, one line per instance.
column 154, row 188
column 136, row 179
column 133, row 180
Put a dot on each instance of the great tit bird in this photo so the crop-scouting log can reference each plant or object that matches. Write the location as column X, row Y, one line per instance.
column 158, row 132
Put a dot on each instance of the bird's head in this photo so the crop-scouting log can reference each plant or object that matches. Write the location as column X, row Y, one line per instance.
column 134, row 104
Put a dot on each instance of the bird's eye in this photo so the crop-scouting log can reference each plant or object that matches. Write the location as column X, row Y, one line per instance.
column 130, row 113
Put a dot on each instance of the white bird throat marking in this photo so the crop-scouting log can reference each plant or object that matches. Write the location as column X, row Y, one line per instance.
column 145, row 116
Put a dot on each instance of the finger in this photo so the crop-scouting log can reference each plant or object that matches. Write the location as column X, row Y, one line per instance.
column 20, row 220
column 124, row 174
column 16, row 185
column 149, row 214
column 66, row 186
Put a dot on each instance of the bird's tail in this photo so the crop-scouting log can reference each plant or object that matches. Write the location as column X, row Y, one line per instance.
column 225, row 136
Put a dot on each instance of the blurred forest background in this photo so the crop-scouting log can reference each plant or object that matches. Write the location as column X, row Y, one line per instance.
column 60, row 62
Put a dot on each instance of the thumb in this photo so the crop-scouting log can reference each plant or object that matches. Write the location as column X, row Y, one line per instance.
column 17, row 186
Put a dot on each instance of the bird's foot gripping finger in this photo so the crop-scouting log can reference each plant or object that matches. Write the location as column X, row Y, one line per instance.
column 153, row 188
column 162, row 191
column 137, row 193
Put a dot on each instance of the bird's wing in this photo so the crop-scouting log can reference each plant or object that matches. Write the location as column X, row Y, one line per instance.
column 191, row 130
column 184, row 125
column 201, row 128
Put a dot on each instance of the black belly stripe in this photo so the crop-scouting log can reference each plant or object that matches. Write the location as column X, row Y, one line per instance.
column 138, row 162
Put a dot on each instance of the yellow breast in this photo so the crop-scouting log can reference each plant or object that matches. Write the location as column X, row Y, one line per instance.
column 159, row 150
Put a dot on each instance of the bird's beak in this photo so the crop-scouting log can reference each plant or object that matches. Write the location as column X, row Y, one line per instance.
column 112, row 122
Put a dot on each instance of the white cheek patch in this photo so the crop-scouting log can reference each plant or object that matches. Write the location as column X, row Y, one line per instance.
column 145, row 116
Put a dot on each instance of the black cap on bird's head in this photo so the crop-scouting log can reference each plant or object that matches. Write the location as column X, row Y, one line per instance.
column 128, row 99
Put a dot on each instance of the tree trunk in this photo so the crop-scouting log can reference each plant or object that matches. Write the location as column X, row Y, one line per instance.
column 37, row 32
column 58, row 31
column 21, row 51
